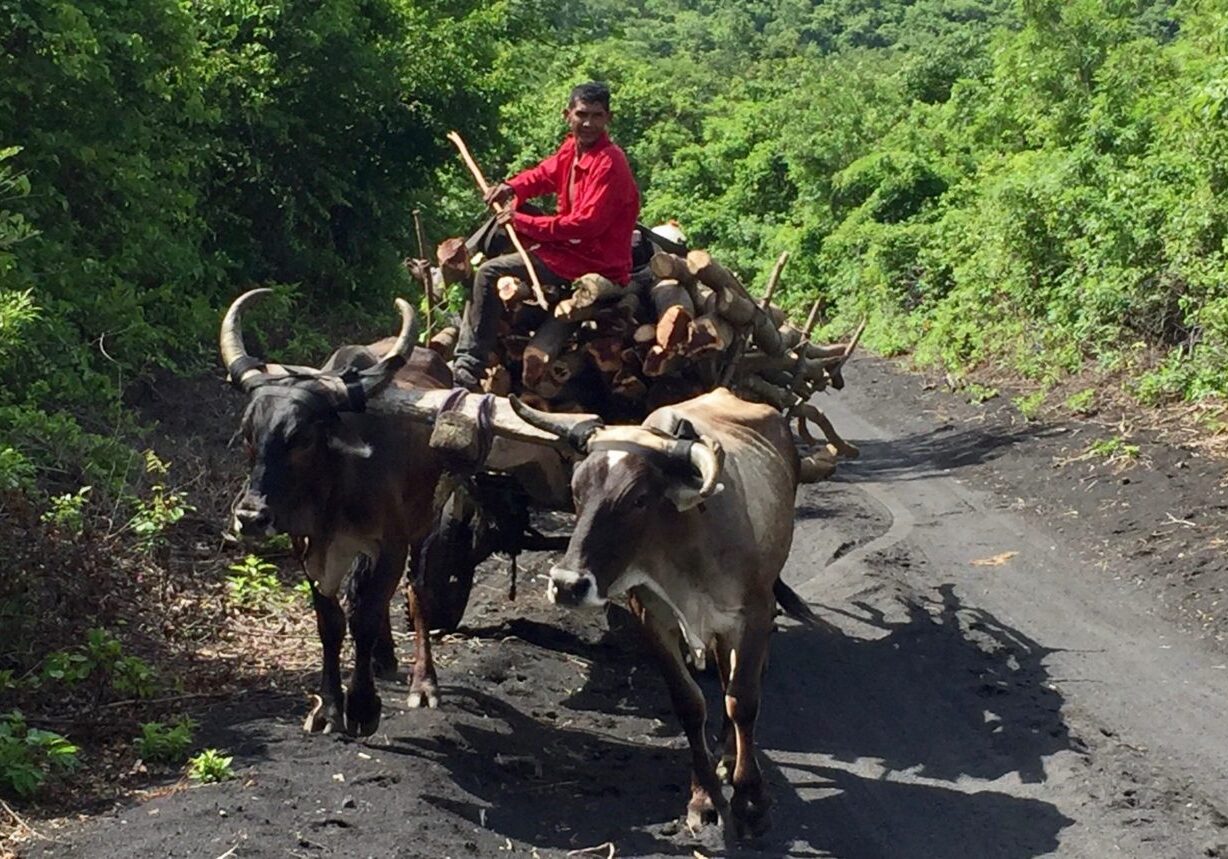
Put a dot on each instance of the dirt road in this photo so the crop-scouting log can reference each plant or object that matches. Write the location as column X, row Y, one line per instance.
column 1025, row 659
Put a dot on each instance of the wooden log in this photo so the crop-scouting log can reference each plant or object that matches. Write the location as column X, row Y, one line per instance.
column 790, row 337
column 568, row 309
column 765, row 333
column 512, row 291
column 629, row 386
column 673, row 330
column 807, row 412
column 666, row 266
column 498, row 381
column 774, row 281
column 707, row 270
column 708, row 334
column 667, row 294
column 444, row 342
column 545, row 346
column 645, row 334
column 514, row 346
column 758, row 389
column 735, row 307
column 606, row 353
column 593, row 289
column 565, row 366
column 660, row 362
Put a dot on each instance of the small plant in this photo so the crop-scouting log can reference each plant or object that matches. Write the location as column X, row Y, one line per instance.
column 1082, row 403
column 1114, row 447
column 102, row 653
column 67, row 511
column 253, row 582
column 303, row 589
column 28, row 756
column 132, row 675
column 210, row 766
column 979, row 393
column 1029, row 405
column 167, row 745
column 162, row 509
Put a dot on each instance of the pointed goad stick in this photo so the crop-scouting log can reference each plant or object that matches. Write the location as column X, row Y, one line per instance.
column 498, row 207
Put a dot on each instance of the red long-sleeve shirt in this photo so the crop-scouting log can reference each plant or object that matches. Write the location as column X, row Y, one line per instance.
column 597, row 210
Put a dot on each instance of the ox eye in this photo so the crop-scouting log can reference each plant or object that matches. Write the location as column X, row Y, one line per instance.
column 640, row 502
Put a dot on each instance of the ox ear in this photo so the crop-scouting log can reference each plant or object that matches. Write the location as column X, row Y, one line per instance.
column 685, row 493
column 348, row 443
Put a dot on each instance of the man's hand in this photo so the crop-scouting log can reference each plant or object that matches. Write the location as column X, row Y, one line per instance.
column 504, row 216
column 499, row 194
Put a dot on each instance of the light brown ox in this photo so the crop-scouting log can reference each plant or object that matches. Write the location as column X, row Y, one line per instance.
column 690, row 515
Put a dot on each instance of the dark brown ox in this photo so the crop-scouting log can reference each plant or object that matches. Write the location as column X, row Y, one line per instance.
column 690, row 515
column 354, row 488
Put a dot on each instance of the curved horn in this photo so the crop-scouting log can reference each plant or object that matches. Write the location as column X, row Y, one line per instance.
column 230, row 338
column 408, row 335
column 576, row 431
column 707, row 457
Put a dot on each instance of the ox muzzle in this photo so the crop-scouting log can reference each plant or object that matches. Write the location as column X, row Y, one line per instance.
column 572, row 589
column 252, row 516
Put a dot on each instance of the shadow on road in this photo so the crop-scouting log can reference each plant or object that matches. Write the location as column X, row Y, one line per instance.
column 944, row 448
column 869, row 743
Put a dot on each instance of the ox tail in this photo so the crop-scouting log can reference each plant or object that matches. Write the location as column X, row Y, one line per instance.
column 794, row 606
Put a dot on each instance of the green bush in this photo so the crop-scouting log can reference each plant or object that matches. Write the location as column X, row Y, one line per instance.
column 28, row 756
column 209, row 766
column 159, row 743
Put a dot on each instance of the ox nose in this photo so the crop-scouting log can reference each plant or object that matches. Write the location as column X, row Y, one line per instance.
column 570, row 588
column 251, row 518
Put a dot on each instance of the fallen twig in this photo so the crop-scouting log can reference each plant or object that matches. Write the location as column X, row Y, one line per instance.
column 586, row 851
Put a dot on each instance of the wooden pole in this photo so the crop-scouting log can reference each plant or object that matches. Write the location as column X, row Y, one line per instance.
column 484, row 186
column 426, row 272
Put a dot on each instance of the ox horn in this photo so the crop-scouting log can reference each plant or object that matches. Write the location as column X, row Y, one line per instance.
column 708, row 458
column 230, row 339
column 408, row 335
column 577, row 430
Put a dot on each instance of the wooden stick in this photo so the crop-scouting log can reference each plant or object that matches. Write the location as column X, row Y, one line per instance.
column 484, row 186
column 774, row 279
column 426, row 271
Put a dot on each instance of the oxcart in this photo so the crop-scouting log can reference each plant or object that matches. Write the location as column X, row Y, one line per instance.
column 685, row 325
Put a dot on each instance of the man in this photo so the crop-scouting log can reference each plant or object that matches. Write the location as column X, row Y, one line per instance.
column 598, row 204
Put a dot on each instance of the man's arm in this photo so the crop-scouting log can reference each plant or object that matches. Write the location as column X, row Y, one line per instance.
column 590, row 215
column 536, row 181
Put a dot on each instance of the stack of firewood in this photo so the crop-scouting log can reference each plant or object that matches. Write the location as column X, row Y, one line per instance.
column 686, row 328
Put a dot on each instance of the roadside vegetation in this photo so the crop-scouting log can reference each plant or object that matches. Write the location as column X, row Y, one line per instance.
column 1030, row 196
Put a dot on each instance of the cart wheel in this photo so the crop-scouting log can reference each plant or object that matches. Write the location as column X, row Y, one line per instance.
column 448, row 563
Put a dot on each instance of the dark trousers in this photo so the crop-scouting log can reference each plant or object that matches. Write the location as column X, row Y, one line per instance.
column 481, row 322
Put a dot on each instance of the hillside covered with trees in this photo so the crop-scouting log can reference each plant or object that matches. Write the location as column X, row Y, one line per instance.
column 1034, row 190
column 1033, row 185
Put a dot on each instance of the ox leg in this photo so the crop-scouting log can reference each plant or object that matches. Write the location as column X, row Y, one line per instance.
column 424, row 685
column 745, row 662
column 326, row 716
column 369, row 596
column 384, row 658
column 707, row 803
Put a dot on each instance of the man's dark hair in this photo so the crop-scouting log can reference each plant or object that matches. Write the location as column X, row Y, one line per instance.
column 593, row 92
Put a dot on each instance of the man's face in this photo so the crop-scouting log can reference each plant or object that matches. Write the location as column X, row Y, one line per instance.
column 587, row 121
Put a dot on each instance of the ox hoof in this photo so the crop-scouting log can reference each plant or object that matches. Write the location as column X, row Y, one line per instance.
column 700, row 812
column 362, row 714
column 425, row 694
column 751, row 818
column 323, row 719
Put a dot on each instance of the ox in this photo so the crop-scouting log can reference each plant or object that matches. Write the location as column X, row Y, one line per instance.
column 690, row 516
column 355, row 489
